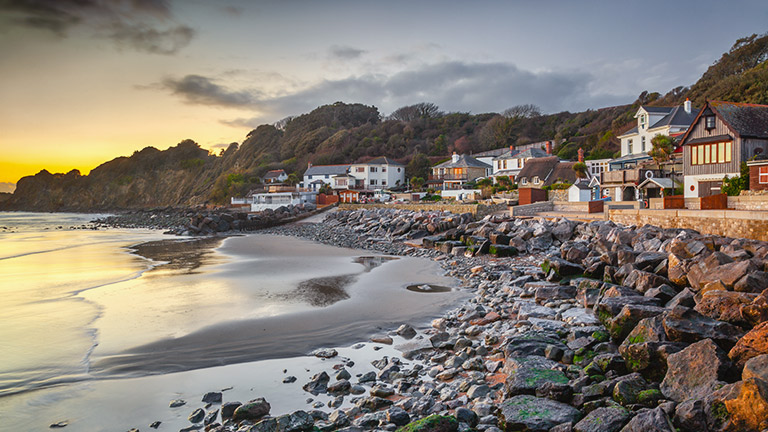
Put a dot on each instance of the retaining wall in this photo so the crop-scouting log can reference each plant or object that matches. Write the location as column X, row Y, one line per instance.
column 479, row 210
column 728, row 223
column 532, row 209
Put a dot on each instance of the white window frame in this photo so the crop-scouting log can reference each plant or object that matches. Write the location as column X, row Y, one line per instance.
column 762, row 177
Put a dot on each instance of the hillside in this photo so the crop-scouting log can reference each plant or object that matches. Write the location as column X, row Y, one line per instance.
column 416, row 135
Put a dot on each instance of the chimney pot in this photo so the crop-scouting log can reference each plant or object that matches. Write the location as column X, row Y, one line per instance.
column 454, row 157
column 581, row 155
column 548, row 147
column 687, row 106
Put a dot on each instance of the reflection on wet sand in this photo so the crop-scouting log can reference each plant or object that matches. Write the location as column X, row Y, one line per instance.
column 184, row 256
column 428, row 288
column 371, row 262
column 322, row 292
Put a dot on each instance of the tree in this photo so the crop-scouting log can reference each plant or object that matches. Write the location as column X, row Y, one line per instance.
column 497, row 132
column 419, row 166
column 412, row 112
column 581, row 169
column 417, row 183
column 734, row 186
column 293, row 179
column 522, row 111
column 662, row 149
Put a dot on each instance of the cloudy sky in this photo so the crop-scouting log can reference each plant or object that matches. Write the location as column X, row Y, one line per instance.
column 84, row 81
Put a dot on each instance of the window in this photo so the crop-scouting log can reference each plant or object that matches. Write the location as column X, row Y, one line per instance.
column 535, row 179
column 728, row 151
column 642, row 144
column 373, row 169
column 642, row 122
column 383, row 169
column 694, row 156
column 398, row 170
column 720, row 152
column 524, row 181
column 327, row 176
column 505, row 164
column 383, row 182
column 359, row 169
column 373, row 182
column 709, row 122
column 629, row 146
column 712, row 153
column 763, row 175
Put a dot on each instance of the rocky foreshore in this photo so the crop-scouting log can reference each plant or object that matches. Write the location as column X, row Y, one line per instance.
column 196, row 221
column 573, row 327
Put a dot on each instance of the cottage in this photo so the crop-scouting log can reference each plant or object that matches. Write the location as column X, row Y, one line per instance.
column 275, row 176
column 758, row 173
column 379, row 173
column 723, row 135
column 545, row 171
column 456, row 172
column 511, row 162
column 318, row 175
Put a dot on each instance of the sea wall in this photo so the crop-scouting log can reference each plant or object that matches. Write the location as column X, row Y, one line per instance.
column 727, row 223
column 532, row 209
column 478, row 210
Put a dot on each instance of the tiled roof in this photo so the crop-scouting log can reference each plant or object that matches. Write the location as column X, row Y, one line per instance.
column 748, row 120
column 530, row 153
column 465, row 161
column 326, row 170
column 657, row 109
column 677, row 117
column 274, row 173
column 382, row 160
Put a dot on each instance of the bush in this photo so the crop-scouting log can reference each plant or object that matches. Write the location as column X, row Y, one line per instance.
column 734, row 186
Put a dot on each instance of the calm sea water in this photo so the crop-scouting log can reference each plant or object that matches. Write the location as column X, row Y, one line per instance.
column 99, row 317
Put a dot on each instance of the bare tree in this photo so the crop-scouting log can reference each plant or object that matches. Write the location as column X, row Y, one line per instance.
column 522, row 111
column 416, row 111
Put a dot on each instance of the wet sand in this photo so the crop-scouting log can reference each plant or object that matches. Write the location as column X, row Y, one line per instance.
column 351, row 296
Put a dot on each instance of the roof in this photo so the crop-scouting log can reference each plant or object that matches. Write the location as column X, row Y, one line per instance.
column 747, row 120
column 326, row 170
column 711, row 139
column 274, row 173
column 548, row 170
column 491, row 153
column 761, row 159
column 527, row 154
column 381, row 160
column 657, row 109
column 582, row 184
column 660, row 182
column 630, row 158
column 564, row 172
column 465, row 161
column 677, row 117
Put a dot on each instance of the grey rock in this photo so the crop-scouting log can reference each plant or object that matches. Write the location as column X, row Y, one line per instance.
column 534, row 414
column 608, row 419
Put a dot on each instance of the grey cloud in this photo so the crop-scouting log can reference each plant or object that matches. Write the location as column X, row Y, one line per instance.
column 345, row 52
column 144, row 25
column 200, row 90
column 453, row 86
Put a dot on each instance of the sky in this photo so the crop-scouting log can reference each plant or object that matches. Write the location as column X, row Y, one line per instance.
column 85, row 81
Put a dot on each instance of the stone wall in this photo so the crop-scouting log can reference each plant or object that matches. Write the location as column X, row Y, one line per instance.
column 557, row 195
column 748, row 202
column 478, row 210
column 532, row 209
column 567, row 206
column 729, row 223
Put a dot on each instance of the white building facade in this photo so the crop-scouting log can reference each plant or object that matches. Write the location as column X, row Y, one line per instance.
column 377, row 174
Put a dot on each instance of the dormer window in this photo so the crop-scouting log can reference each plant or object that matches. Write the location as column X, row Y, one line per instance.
column 642, row 121
column 709, row 122
column 524, row 181
column 536, row 180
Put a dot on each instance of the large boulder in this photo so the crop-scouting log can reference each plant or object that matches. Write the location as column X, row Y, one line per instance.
column 686, row 325
column 530, row 344
column 650, row 420
column 526, row 374
column 433, row 423
column 757, row 311
column 561, row 267
column 642, row 281
column 530, row 413
column 607, row 419
column 749, row 411
column 753, row 344
column 724, row 305
column 630, row 315
column 252, row 410
column 695, row 372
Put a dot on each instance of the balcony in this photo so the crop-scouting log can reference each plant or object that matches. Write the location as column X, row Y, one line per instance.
column 449, row 177
column 635, row 175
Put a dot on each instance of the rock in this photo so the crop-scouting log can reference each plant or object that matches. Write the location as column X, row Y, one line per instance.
column 561, row 267
column 628, row 388
column 642, row 281
column 757, row 311
column 690, row 415
column 724, row 305
column 527, row 373
column 683, row 298
column 177, row 403
column 289, row 379
column 297, row 421
column 687, row 325
column 266, row 425
column 406, row 331
column 649, row 260
column 324, row 353
column 695, row 371
column 609, row 419
column 465, row 415
column 374, row 403
column 210, row 417
column 579, row 317
column 252, row 410
column 650, row 420
column 196, row 416
column 753, row 282
column 749, row 411
column 340, row 387
column 548, row 292
column 534, row 414
column 318, row 384
column 662, row 292
column 398, row 416
column 530, row 344
column 756, row 367
column 630, row 315
column 60, row 424
column 753, row 344
column 212, row 397
column 478, row 391
column 560, row 392
column 434, row 423
column 382, row 339
column 228, row 409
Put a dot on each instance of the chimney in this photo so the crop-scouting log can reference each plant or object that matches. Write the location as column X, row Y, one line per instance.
column 581, row 155
column 687, row 105
column 454, row 157
column 309, row 164
column 511, row 148
column 549, row 147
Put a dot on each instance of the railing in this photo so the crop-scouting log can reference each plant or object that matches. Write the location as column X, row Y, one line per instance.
column 449, row 177
column 636, row 175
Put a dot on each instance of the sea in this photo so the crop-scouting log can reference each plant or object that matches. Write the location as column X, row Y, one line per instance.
column 101, row 328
